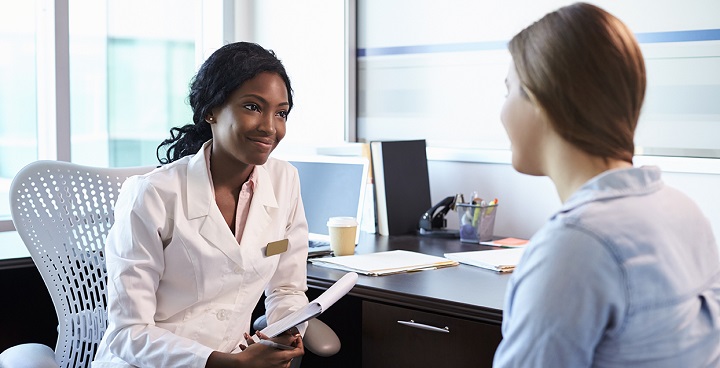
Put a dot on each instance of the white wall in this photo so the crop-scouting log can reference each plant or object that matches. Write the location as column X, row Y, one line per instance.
column 308, row 37
column 526, row 202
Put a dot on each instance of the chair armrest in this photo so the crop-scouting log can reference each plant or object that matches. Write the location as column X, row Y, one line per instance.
column 320, row 339
column 28, row 356
column 260, row 323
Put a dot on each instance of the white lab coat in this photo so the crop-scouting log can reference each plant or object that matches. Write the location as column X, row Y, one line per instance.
column 179, row 285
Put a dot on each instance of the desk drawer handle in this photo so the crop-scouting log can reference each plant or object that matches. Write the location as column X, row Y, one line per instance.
column 422, row 326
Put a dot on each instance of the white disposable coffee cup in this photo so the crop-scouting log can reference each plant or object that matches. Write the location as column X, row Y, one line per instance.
column 342, row 235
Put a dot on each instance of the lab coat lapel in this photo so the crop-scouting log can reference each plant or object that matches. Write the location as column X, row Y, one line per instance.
column 202, row 208
column 263, row 209
column 200, row 196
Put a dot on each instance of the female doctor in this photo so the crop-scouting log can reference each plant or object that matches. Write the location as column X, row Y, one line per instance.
column 196, row 241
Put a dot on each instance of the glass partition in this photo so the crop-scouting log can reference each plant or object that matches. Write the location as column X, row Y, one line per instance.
column 18, row 93
column 131, row 63
column 437, row 72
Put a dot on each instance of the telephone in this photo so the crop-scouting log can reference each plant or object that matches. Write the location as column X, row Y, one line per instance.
column 433, row 221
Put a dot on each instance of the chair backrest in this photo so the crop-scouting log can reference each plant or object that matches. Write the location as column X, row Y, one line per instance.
column 63, row 211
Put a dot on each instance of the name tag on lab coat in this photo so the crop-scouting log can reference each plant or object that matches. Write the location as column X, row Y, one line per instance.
column 276, row 247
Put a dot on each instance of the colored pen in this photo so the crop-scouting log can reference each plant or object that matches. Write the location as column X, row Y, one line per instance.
column 476, row 200
column 491, row 205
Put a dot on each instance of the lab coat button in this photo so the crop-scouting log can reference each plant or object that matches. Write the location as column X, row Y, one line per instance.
column 221, row 315
column 238, row 270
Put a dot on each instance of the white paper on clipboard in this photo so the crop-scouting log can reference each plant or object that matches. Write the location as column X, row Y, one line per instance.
column 314, row 308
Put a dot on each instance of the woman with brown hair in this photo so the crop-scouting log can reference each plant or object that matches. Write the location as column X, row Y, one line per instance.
column 626, row 273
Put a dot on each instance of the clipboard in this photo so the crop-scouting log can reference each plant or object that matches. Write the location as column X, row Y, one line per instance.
column 310, row 310
column 499, row 260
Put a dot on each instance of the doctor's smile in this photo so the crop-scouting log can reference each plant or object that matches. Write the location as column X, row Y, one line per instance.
column 263, row 143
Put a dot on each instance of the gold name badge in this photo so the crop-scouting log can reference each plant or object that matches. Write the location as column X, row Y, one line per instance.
column 276, row 247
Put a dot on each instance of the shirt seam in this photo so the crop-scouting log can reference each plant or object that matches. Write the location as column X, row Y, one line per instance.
column 616, row 257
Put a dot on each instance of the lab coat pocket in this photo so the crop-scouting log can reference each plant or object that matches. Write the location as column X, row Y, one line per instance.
column 179, row 286
column 219, row 326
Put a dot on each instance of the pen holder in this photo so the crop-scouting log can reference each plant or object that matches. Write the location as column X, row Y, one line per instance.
column 476, row 222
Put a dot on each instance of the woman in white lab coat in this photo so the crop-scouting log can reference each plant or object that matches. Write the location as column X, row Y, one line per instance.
column 197, row 241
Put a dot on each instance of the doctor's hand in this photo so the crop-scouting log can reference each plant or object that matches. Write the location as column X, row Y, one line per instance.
column 257, row 355
column 287, row 337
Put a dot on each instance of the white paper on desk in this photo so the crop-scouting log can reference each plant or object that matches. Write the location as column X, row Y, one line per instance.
column 500, row 260
column 384, row 263
column 314, row 308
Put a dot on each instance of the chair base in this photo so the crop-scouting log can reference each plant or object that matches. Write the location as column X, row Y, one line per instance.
column 30, row 355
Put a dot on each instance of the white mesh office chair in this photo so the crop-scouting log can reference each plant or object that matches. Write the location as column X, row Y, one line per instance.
column 63, row 212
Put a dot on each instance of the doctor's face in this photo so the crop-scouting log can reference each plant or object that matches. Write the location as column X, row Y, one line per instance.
column 524, row 125
column 249, row 126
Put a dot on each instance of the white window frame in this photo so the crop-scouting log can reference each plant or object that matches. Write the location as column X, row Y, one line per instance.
column 53, row 69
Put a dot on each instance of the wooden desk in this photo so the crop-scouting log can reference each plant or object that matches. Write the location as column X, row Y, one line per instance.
column 468, row 300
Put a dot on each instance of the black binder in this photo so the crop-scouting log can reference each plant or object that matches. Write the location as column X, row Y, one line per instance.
column 401, row 185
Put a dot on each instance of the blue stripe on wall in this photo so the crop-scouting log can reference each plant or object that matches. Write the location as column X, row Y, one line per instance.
column 650, row 37
column 679, row 36
column 430, row 49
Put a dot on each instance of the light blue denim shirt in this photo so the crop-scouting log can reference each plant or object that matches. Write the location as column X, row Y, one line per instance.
column 626, row 274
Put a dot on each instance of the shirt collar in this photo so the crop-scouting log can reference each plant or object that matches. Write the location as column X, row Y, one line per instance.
column 634, row 181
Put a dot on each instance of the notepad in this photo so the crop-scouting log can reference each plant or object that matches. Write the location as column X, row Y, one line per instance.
column 500, row 260
column 385, row 263
column 506, row 242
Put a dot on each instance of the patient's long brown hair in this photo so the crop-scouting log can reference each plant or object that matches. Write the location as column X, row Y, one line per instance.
column 583, row 68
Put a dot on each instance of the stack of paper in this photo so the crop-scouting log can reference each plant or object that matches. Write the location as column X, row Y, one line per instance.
column 384, row 263
column 500, row 260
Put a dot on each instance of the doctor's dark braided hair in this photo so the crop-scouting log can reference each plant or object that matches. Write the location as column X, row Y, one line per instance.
column 219, row 76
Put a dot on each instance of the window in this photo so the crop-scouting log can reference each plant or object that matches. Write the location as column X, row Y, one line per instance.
column 18, row 93
column 118, row 79
column 437, row 72
column 130, row 67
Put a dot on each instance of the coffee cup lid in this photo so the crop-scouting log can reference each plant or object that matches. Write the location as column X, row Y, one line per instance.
column 342, row 221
